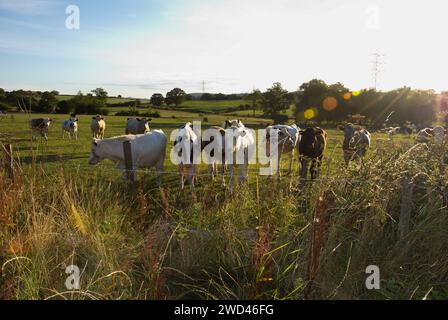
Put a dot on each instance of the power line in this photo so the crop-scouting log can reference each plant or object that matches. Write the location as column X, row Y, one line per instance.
column 377, row 67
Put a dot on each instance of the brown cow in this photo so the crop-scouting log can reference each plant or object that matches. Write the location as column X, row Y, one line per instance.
column 312, row 146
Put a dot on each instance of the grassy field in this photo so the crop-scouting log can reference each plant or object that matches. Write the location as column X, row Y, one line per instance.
column 142, row 242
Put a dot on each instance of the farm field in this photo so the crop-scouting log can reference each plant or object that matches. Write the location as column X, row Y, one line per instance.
column 142, row 242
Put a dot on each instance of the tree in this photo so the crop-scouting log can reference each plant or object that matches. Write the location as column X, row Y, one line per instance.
column 275, row 100
column 157, row 99
column 255, row 98
column 2, row 94
column 101, row 95
column 176, row 97
column 48, row 102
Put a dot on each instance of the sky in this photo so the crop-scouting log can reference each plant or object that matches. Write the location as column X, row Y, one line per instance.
column 139, row 47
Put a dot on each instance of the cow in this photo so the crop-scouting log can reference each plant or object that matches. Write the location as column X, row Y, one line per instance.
column 393, row 131
column 436, row 134
column 40, row 127
column 356, row 142
column 288, row 138
column 70, row 126
column 312, row 145
column 185, row 144
column 98, row 126
column 439, row 135
column 239, row 142
column 232, row 123
column 137, row 125
column 148, row 151
column 424, row 135
column 212, row 161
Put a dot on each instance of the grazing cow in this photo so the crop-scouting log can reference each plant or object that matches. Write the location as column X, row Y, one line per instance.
column 40, row 127
column 186, row 140
column 70, row 126
column 312, row 146
column 391, row 132
column 356, row 142
column 137, row 125
column 242, row 143
column 288, row 141
column 98, row 127
column 148, row 150
column 209, row 155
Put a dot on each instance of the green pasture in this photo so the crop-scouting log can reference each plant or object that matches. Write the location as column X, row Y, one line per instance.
column 73, row 155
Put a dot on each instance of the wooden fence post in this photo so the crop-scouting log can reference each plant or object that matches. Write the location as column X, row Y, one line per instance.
column 406, row 207
column 9, row 161
column 127, row 149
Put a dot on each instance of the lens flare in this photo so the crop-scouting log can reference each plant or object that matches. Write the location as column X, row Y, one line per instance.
column 347, row 96
column 310, row 113
column 330, row 103
column 356, row 93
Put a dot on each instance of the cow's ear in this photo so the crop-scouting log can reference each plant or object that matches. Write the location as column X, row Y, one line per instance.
column 228, row 123
column 102, row 118
column 318, row 130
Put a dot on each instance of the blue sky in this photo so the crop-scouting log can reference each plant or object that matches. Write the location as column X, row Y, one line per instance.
column 139, row 47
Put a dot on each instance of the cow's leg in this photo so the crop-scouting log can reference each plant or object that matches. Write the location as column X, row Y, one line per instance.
column 211, row 171
column 223, row 174
column 182, row 177
column 347, row 158
column 313, row 169
column 190, row 176
column 279, row 166
column 232, row 180
column 303, row 169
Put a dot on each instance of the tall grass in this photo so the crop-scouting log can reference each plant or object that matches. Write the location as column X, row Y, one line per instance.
column 149, row 243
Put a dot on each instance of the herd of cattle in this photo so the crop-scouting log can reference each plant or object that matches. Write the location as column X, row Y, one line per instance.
column 149, row 147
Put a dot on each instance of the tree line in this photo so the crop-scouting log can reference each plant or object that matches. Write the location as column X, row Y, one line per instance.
column 319, row 102
column 315, row 101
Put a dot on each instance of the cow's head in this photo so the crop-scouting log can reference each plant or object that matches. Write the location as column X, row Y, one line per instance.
column 309, row 136
column 95, row 158
column 232, row 123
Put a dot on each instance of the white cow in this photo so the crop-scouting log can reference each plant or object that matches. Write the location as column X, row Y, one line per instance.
column 185, row 144
column 288, row 141
column 137, row 125
column 215, row 157
column 98, row 127
column 239, row 142
column 70, row 126
column 148, row 150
